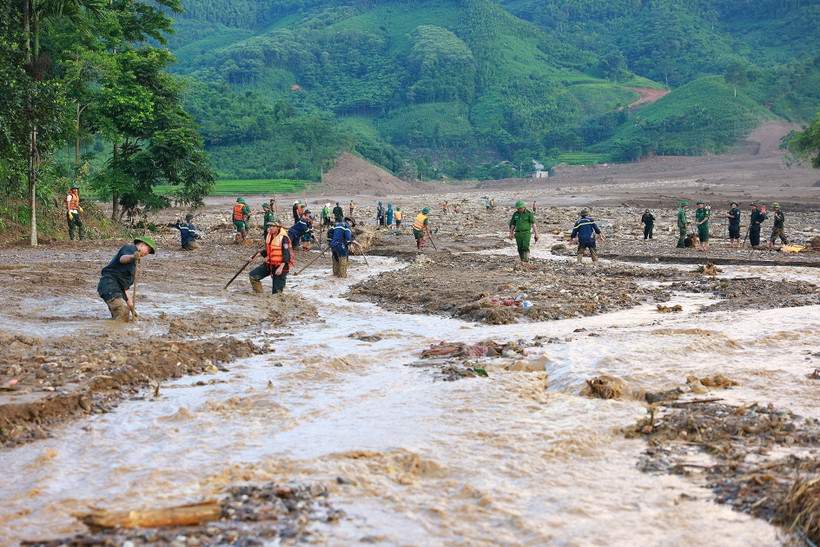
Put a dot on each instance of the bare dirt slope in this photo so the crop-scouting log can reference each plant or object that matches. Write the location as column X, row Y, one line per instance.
column 354, row 175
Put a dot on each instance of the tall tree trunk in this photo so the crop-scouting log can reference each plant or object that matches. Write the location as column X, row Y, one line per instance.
column 32, row 145
column 115, row 198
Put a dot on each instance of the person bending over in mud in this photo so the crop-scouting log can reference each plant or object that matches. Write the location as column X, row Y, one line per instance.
column 119, row 275
column 188, row 234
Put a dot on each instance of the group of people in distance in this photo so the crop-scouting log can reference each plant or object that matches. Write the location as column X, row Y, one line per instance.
column 118, row 276
column 702, row 218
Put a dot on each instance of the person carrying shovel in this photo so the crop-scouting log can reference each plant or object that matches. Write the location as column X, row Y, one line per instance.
column 120, row 274
column 421, row 227
column 522, row 228
column 340, row 237
column 278, row 260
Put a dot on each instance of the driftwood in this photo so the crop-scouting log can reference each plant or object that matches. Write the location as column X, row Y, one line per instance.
column 179, row 515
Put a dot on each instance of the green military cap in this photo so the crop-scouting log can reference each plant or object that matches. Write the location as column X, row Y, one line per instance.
column 148, row 241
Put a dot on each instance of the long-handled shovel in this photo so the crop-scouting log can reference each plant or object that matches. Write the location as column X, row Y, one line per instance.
column 312, row 261
column 431, row 240
column 245, row 265
column 133, row 306
column 362, row 250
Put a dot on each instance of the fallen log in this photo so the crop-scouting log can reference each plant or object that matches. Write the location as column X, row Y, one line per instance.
column 180, row 515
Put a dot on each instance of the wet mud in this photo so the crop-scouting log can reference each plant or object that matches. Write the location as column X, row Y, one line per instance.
column 62, row 359
column 248, row 515
column 761, row 462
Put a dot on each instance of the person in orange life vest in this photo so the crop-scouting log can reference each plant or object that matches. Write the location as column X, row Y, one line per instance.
column 241, row 212
column 73, row 211
column 421, row 227
column 278, row 260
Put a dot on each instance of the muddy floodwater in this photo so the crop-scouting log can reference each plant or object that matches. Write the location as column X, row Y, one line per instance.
column 518, row 458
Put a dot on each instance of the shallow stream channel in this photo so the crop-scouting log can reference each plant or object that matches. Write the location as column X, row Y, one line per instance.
column 514, row 458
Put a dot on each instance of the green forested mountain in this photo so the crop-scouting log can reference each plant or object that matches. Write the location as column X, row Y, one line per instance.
column 449, row 85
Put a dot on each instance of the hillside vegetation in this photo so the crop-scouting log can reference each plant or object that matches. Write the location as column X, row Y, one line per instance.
column 430, row 88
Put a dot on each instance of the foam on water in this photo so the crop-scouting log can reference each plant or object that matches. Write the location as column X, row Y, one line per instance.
column 478, row 461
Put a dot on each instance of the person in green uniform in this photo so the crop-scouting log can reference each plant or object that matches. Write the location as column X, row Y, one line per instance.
column 241, row 212
column 522, row 228
column 702, row 222
column 269, row 219
column 682, row 224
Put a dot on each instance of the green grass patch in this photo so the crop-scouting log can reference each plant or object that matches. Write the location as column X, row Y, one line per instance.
column 582, row 158
column 258, row 186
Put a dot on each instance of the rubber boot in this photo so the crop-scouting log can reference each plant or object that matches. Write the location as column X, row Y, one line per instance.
column 336, row 268
column 526, row 257
column 343, row 267
column 580, row 256
column 256, row 285
column 119, row 310
column 594, row 253
column 237, row 239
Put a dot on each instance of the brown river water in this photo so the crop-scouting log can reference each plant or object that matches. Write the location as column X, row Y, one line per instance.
column 519, row 458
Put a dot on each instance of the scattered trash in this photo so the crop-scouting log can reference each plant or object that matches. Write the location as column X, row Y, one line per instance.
column 669, row 309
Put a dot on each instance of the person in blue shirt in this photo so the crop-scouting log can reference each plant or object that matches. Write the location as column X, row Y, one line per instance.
column 301, row 231
column 585, row 230
column 340, row 237
column 188, row 233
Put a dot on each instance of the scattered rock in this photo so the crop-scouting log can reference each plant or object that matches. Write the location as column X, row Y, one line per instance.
column 604, row 387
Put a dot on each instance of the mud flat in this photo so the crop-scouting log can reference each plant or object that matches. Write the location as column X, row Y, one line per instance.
column 336, row 390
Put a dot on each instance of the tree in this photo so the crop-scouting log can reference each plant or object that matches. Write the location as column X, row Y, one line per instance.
column 805, row 145
column 736, row 75
column 37, row 15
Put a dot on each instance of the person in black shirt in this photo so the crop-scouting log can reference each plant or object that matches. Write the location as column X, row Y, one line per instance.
column 119, row 275
column 756, row 218
column 734, row 225
column 648, row 221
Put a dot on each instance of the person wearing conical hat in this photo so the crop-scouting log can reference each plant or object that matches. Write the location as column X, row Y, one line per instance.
column 585, row 230
column 522, row 229
column 119, row 275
